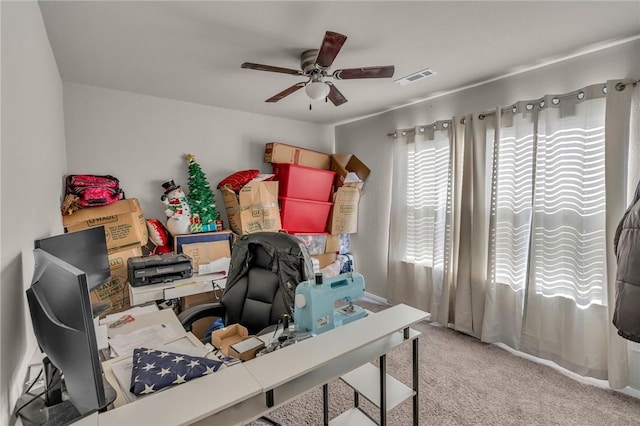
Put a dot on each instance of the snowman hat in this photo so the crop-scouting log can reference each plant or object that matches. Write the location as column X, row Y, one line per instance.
column 170, row 186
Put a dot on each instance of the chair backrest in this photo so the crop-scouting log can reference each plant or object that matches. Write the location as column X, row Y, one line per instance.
column 265, row 269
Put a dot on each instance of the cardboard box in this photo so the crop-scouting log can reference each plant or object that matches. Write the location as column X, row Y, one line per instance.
column 123, row 221
column 275, row 152
column 333, row 243
column 204, row 253
column 200, row 327
column 325, row 259
column 116, row 290
column 228, row 335
column 254, row 209
column 246, row 349
column 343, row 164
column 344, row 213
column 202, row 237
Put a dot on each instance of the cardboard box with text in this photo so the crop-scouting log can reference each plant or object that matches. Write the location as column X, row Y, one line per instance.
column 275, row 152
column 344, row 213
column 124, row 224
column 254, row 208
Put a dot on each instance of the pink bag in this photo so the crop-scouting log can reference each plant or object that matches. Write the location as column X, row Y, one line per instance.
column 94, row 190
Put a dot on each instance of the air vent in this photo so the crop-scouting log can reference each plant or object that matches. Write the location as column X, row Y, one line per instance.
column 412, row 78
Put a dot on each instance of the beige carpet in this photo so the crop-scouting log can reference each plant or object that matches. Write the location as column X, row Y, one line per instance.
column 466, row 382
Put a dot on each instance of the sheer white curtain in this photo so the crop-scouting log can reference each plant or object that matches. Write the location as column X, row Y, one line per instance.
column 555, row 194
column 420, row 219
column 503, row 222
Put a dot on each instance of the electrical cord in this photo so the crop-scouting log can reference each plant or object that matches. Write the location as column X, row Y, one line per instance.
column 34, row 381
column 35, row 397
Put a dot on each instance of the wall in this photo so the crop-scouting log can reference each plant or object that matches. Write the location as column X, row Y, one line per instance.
column 32, row 170
column 368, row 139
column 142, row 140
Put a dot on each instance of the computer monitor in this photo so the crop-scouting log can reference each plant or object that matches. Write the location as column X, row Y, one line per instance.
column 85, row 249
column 63, row 325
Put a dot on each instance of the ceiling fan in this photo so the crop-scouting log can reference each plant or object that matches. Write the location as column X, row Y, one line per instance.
column 315, row 64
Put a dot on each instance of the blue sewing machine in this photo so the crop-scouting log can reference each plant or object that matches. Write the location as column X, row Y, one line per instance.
column 315, row 309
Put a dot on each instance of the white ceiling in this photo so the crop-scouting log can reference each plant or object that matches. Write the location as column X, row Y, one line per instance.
column 192, row 51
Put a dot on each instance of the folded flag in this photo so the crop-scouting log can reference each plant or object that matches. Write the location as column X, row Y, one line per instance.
column 155, row 370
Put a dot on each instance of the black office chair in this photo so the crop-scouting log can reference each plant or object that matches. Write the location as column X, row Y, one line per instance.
column 264, row 271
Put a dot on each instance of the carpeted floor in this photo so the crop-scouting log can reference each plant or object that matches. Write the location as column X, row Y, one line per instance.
column 466, row 382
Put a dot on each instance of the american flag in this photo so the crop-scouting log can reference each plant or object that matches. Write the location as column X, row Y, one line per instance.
column 155, row 370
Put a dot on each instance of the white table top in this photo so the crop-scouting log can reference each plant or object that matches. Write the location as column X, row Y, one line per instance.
column 310, row 354
column 189, row 402
column 238, row 392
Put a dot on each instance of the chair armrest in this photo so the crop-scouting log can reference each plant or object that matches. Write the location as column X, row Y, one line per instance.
column 194, row 313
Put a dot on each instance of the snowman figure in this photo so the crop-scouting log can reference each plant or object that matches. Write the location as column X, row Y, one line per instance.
column 176, row 208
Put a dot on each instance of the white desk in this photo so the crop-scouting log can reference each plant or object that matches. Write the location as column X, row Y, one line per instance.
column 246, row 391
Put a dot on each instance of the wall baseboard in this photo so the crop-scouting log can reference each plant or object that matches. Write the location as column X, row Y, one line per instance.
column 375, row 299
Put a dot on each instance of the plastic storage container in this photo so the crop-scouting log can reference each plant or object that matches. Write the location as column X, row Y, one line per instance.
column 316, row 243
column 303, row 182
column 303, row 216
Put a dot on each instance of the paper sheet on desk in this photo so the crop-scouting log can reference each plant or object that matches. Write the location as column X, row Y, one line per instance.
column 217, row 266
column 135, row 311
column 145, row 337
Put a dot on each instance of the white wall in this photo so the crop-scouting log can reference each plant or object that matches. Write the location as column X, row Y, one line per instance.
column 32, row 171
column 368, row 140
column 142, row 140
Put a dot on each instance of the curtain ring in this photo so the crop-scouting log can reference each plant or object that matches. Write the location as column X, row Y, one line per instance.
column 481, row 116
column 620, row 87
column 462, row 120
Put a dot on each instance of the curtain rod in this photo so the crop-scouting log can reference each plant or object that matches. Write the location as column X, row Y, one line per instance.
column 619, row 87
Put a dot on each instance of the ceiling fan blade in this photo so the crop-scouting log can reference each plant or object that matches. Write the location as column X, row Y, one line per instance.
column 285, row 92
column 367, row 72
column 335, row 96
column 270, row 68
column 329, row 49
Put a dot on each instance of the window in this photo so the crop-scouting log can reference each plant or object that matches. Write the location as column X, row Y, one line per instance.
column 548, row 202
column 427, row 196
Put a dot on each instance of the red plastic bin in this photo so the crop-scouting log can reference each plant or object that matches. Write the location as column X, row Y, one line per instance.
column 303, row 182
column 301, row 216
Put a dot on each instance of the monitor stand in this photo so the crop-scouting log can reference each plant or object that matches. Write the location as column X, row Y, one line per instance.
column 49, row 408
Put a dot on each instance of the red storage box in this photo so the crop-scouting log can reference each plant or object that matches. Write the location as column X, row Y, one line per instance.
column 304, row 182
column 303, row 215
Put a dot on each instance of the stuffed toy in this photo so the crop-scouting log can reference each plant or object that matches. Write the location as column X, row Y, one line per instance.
column 159, row 236
column 176, row 209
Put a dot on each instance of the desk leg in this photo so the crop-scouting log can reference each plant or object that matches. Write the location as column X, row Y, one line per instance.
column 270, row 398
column 383, row 390
column 415, row 382
column 325, row 404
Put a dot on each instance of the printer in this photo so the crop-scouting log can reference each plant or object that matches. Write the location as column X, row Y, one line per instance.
column 314, row 306
column 158, row 268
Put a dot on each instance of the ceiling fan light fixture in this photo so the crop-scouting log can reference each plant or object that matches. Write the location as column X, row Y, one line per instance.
column 317, row 90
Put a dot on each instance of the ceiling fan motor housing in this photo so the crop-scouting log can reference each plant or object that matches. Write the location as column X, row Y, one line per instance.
column 308, row 61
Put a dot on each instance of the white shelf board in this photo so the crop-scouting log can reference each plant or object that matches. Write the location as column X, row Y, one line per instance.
column 366, row 381
column 352, row 417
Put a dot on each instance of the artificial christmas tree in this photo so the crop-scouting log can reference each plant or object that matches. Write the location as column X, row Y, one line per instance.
column 204, row 214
